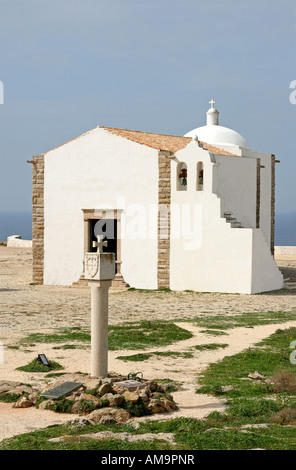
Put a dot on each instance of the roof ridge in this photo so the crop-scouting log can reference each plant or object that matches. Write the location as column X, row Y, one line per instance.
column 156, row 143
column 146, row 132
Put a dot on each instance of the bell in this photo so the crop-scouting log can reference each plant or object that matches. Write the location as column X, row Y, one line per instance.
column 184, row 182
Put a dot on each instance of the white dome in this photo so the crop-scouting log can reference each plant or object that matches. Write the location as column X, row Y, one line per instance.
column 214, row 134
column 218, row 135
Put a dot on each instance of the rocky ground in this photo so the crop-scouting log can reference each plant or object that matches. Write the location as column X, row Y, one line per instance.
column 26, row 308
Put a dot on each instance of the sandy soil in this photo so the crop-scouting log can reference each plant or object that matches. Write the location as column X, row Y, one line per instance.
column 26, row 308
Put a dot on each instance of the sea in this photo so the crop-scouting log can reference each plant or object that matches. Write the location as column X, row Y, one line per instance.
column 20, row 223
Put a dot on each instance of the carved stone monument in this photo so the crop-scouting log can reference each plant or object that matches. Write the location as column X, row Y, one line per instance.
column 99, row 271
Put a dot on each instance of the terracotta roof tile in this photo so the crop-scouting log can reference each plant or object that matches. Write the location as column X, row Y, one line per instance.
column 171, row 143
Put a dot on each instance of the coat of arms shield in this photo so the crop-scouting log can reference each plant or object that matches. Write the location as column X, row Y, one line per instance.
column 91, row 265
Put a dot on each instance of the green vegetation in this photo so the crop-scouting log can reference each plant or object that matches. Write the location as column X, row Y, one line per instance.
column 63, row 335
column 216, row 432
column 269, row 357
column 35, row 366
column 62, row 405
column 214, row 332
column 170, row 385
column 144, row 334
column 144, row 356
column 256, row 416
column 259, row 413
column 129, row 335
column 9, row 398
column 148, row 291
column 210, row 346
column 135, row 409
column 246, row 320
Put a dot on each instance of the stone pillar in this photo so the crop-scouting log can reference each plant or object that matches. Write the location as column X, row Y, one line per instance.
column 99, row 328
column 99, row 271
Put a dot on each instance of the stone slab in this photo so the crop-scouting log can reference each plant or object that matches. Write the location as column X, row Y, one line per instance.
column 62, row 390
column 130, row 384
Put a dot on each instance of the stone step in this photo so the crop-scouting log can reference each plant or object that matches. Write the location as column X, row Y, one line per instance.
column 236, row 225
column 117, row 284
column 290, row 284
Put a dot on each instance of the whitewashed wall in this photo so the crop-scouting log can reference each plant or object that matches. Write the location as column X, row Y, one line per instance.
column 99, row 170
column 224, row 259
column 237, row 181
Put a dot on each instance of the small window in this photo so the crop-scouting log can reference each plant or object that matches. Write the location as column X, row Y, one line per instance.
column 182, row 177
column 200, row 176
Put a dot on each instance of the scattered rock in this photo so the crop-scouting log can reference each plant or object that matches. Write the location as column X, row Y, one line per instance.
column 133, row 397
column 91, row 383
column 227, row 388
column 146, row 395
column 114, row 400
column 33, row 397
column 256, row 376
column 79, row 422
column 23, row 402
column 103, row 415
column 77, row 408
column 46, row 405
column 89, row 397
column 105, row 388
column 156, row 406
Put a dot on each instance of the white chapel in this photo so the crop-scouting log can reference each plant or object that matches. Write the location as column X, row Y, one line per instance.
column 193, row 212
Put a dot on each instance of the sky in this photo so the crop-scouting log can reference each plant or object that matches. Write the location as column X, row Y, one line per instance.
column 68, row 66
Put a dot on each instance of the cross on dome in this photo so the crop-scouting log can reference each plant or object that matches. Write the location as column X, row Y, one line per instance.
column 100, row 244
column 212, row 102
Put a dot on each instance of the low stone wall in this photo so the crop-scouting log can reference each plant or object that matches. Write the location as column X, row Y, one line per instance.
column 16, row 241
column 285, row 250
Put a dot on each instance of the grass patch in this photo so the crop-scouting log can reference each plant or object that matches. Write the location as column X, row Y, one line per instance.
column 69, row 346
column 62, row 405
column 210, row 346
column 35, row 366
column 130, row 335
column 135, row 409
column 63, row 335
column 189, row 434
column 246, row 320
column 214, row 332
column 145, row 356
column 271, row 358
column 144, row 334
column 9, row 398
column 55, row 374
column 170, row 385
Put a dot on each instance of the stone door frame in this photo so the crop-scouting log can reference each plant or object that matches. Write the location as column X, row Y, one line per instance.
column 99, row 214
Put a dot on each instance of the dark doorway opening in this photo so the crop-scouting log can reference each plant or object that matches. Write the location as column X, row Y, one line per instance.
column 107, row 228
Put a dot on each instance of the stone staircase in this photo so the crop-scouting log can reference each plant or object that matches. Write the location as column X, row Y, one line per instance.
column 289, row 284
column 232, row 220
column 118, row 283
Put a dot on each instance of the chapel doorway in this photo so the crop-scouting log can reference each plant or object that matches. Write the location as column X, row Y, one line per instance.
column 107, row 228
column 106, row 223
